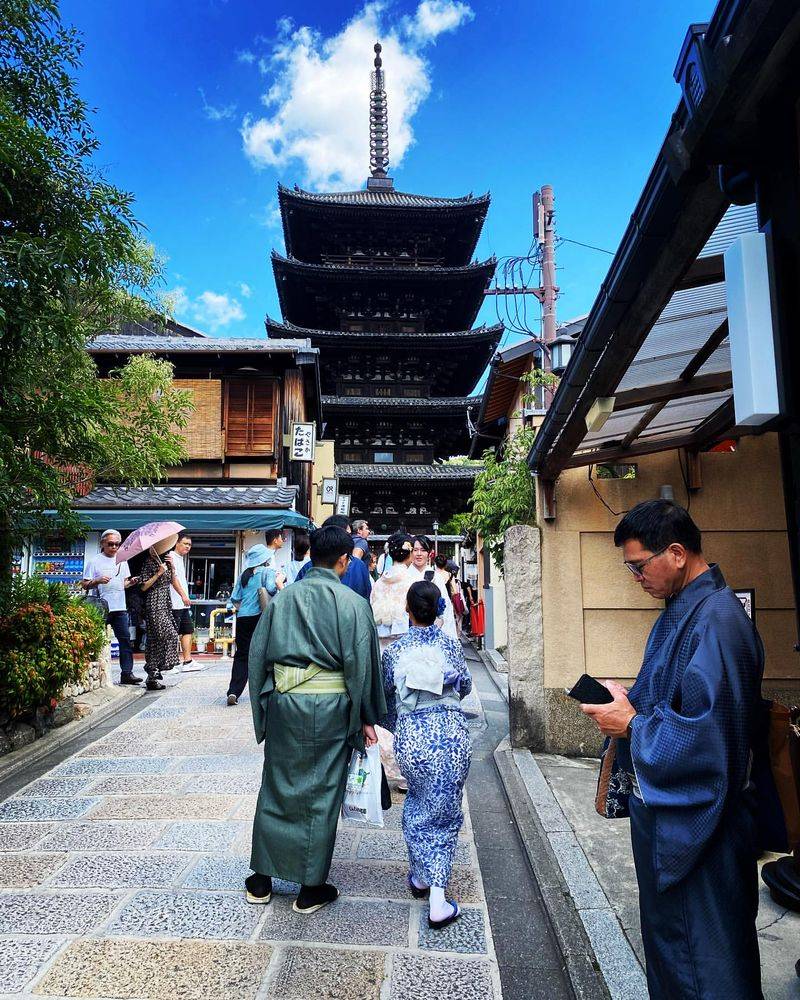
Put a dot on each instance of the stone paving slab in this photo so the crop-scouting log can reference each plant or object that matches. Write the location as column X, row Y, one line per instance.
column 389, row 880
column 325, row 974
column 21, row 958
column 124, row 871
column 186, row 915
column 230, row 873
column 22, row 871
column 37, row 912
column 165, row 807
column 100, row 836
column 122, row 877
column 26, row 810
column 22, row 836
column 155, row 970
column 343, row 922
column 133, row 784
column 467, row 934
column 113, row 765
column 197, row 836
column 54, row 788
column 417, row 977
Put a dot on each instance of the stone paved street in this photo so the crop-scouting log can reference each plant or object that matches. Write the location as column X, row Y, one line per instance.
column 122, row 867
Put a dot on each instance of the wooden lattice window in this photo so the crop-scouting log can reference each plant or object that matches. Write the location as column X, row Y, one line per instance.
column 250, row 416
column 202, row 432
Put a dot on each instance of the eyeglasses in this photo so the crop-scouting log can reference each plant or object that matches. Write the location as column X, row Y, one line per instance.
column 637, row 567
column 115, row 544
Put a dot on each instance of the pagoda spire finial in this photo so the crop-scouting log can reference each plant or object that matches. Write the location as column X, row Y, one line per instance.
column 378, row 127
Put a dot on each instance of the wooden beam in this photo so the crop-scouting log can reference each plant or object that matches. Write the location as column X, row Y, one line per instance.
column 703, row 271
column 667, row 391
column 644, row 421
column 705, row 352
column 694, row 470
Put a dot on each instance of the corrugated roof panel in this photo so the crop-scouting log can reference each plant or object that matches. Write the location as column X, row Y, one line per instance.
column 737, row 220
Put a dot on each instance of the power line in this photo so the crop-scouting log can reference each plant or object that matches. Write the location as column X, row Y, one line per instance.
column 586, row 246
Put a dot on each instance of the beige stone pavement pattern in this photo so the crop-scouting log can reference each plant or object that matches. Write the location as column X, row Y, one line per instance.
column 121, row 876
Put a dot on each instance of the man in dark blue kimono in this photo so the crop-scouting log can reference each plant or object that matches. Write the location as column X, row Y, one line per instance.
column 684, row 733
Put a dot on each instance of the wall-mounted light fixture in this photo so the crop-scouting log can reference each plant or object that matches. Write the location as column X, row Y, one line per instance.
column 600, row 410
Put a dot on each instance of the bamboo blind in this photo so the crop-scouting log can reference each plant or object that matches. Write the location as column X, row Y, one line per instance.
column 203, row 436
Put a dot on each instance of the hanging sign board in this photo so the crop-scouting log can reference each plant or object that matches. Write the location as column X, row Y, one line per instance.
column 302, row 444
column 329, row 491
column 343, row 504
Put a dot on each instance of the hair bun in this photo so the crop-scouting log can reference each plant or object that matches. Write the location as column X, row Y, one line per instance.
column 441, row 606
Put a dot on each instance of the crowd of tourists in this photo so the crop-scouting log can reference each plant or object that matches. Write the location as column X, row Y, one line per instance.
column 343, row 648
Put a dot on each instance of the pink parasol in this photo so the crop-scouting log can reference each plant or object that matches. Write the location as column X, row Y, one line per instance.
column 144, row 537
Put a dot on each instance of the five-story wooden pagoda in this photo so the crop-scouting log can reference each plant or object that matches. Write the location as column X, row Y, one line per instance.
column 383, row 283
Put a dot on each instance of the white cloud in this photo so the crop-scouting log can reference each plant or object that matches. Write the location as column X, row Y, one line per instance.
column 216, row 113
column 246, row 56
column 270, row 218
column 245, row 290
column 216, row 310
column 318, row 95
column 435, row 17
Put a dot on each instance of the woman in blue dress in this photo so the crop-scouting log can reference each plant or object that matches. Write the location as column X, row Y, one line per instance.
column 425, row 678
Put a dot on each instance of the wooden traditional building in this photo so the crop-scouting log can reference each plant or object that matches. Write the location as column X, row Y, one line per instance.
column 384, row 285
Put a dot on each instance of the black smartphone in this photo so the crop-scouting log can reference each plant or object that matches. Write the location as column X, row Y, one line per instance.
column 589, row 691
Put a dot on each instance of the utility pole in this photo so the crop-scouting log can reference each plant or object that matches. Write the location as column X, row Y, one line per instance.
column 544, row 233
column 549, row 289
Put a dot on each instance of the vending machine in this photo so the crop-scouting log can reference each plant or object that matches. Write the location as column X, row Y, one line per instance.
column 58, row 561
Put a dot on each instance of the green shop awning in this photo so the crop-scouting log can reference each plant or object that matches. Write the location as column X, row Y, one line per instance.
column 200, row 508
column 197, row 520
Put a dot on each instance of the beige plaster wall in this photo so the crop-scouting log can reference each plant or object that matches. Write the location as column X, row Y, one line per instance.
column 324, row 468
column 596, row 617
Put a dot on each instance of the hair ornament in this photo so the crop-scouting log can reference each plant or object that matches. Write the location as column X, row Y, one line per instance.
column 441, row 605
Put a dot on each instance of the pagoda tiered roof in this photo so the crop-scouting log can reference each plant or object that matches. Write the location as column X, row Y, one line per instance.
column 319, row 295
column 383, row 219
column 450, row 363
column 408, row 473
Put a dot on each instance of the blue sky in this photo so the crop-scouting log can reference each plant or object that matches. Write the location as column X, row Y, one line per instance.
column 203, row 106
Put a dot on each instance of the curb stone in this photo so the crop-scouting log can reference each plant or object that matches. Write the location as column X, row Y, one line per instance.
column 613, row 954
column 57, row 738
column 583, row 969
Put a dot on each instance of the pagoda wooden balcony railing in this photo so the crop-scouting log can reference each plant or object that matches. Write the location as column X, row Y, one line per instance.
column 381, row 260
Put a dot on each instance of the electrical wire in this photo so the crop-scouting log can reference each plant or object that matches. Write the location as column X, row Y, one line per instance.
column 586, row 246
column 616, row 513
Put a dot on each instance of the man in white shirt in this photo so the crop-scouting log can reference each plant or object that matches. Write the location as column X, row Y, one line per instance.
column 110, row 579
column 179, row 594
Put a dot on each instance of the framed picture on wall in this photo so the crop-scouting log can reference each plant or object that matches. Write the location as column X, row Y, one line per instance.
column 748, row 599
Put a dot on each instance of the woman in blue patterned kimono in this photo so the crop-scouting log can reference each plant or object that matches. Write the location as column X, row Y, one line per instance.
column 425, row 678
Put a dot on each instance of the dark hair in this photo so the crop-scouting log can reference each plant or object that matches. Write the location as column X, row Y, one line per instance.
column 328, row 544
column 395, row 544
column 302, row 543
column 440, row 561
column 271, row 535
column 337, row 521
column 184, row 534
column 423, row 601
column 424, row 541
column 656, row 524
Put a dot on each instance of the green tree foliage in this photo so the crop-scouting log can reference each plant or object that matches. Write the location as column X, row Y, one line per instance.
column 72, row 264
column 504, row 493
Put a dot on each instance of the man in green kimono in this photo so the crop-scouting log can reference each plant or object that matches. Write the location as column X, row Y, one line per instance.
column 316, row 691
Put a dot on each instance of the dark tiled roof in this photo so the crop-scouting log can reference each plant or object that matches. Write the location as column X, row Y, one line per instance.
column 433, row 273
column 421, row 472
column 383, row 198
column 277, row 497
column 419, row 340
column 114, row 342
column 402, row 403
